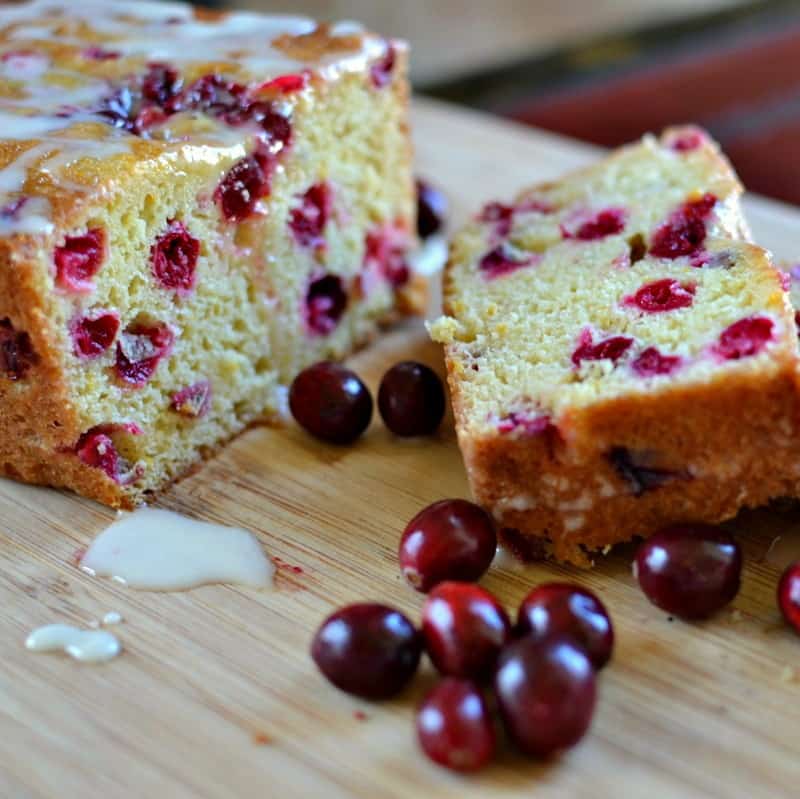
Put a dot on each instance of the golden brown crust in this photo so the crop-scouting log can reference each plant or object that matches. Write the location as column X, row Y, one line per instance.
column 719, row 459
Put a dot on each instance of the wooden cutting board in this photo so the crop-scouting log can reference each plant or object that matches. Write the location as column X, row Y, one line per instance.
column 215, row 694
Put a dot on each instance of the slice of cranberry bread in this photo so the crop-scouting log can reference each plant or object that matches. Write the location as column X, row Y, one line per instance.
column 192, row 209
column 619, row 358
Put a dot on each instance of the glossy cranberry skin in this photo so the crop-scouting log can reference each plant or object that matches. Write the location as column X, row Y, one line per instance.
column 449, row 540
column 411, row 399
column 454, row 726
column 564, row 610
column 367, row 649
column 690, row 571
column 789, row 595
column 245, row 183
column 431, row 209
column 464, row 628
column 502, row 260
column 331, row 402
column 546, row 694
column 661, row 296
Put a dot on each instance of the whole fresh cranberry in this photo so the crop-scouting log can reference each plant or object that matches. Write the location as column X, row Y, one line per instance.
column 450, row 540
column 567, row 610
column 411, row 399
column 454, row 726
column 464, row 628
column 789, row 595
column 431, row 209
column 367, row 649
column 331, row 402
column 546, row 693
column 690, row 571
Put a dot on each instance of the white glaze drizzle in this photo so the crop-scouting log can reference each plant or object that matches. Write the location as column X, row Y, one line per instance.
column 88, row 646
column 157, row 550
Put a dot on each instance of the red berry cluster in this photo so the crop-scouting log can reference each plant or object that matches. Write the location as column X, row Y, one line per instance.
column 332, row 403
column 541, row 670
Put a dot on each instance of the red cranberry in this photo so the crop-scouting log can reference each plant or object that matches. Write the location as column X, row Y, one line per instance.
column 100, row 54
column 119, row 109
column 411, row 399
column 639, row 476
column 386, row 248
column 744, row 338
column 174, row 258
column 431, row 209
column 331, row 403
column 789, row 595
column 17, row 355
column 454, row 726
column 309, row 219
column 79, row 259
column 662, row 295
column 499, row 215
column 96, row 448
column 691, row 571
column 650, row 362
column 94, row 333
column 161, row 84
column 563, row 609
column 611, row 348
column 608, row 222
column 367, row 649
column 325, row 304
column 688, row 140
column 450, row 540
column 286, row 84
column 503, row 260
column 193, row 401
column 215, row 96
column 526, row 423
column 245, row 183
column 464, row 628
column 381, row 71
column 685, row 231
column 139, row 350
column 546, row 693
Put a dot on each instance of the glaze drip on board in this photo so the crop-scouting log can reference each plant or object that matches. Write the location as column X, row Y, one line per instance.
column 158, row 550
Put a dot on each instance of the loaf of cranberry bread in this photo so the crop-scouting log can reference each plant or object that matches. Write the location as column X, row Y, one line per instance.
column 192, row 209
column 620, row 358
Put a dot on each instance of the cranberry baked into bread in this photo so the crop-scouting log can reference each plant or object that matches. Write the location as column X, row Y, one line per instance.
column 192, row 209
column 619, row 357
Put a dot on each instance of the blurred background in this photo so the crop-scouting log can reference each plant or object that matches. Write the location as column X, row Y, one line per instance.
column 606, row 71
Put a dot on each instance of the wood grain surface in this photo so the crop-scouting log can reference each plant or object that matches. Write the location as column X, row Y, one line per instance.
column 215, row 695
